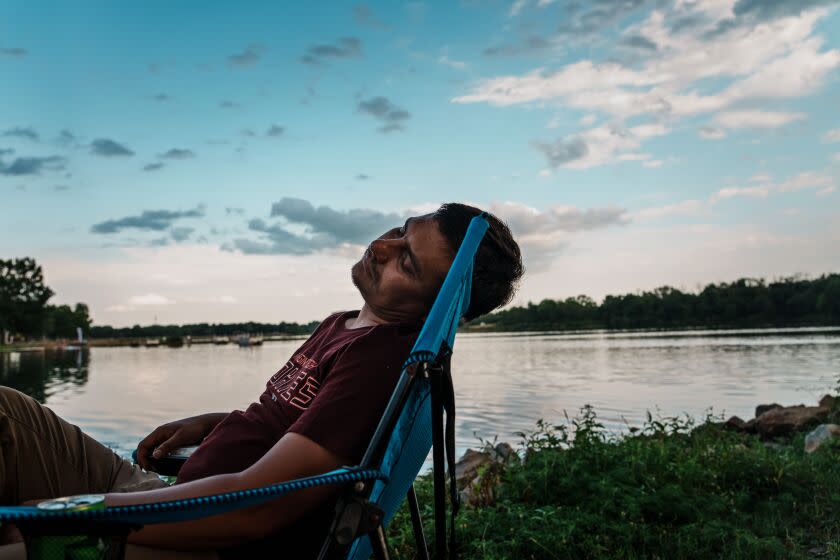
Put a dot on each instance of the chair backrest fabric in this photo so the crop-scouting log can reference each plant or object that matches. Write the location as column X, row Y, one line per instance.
column 411, row 439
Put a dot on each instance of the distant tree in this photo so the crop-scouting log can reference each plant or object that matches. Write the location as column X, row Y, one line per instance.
column 61, row 321
column 23, row 296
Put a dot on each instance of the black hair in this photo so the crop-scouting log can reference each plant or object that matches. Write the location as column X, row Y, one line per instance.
column 498, row 261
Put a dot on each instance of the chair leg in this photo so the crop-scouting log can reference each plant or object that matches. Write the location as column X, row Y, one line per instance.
column 379, row 543
column 417, row 524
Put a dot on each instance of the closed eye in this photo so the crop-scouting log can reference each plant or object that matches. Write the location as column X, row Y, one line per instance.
column 407, row 264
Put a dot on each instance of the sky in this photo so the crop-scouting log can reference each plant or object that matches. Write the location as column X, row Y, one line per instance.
column 180, row 162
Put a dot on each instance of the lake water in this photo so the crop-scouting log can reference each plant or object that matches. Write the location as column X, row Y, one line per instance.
column 503, row 382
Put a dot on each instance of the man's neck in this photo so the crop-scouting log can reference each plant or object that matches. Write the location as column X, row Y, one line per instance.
column 365, row 318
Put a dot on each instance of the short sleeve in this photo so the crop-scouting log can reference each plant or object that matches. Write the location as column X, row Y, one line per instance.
column 354, row 394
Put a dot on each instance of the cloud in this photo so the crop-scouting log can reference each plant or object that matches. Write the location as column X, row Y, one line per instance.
column 756, row 119
column 276, row 240
column 563, row 151
column 391, row 116
column 692, row 73
column 711, row 133
column 763, row 10
column 149, row 299
column 806, row 180
column 353, row 226
column 831, row 136
column 517, row 7
column 148, row 220
column 235, row 211
column 28, row 133
column 639, row 42
column 109, row 148
column 346, row 47
column 13, row 52
column 153, row 166
column 680, row 208
column 457, row 64
column 177, row 153
column 531, row 44
column 600, row 145
column 321, row 228
column 275, row 130
column 32, row 166
column 545, row 233
column 526, row 220
column 180, row 234
column 251, row 55
column 732, row 192
column 67, row 138
column 364, row 16
column 587, row 24
column 6, row 151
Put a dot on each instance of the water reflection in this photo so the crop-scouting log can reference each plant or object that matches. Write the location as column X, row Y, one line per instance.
column 42, row 374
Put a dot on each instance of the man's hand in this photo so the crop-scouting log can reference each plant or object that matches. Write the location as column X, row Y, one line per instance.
column 180, row 433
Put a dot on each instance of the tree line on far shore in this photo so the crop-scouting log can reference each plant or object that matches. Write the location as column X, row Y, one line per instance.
column 745, row 303
column 797, row 301
column 202, row 329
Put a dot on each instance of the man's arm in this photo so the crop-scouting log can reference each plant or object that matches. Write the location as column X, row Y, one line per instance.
column 294, row 456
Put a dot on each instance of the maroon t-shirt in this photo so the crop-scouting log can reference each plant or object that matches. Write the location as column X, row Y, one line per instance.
column 333, row 390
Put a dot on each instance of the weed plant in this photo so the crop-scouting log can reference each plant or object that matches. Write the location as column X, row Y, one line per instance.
column 668, row 490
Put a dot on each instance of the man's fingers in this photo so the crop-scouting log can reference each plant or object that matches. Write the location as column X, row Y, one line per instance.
column 148, row 443
column 167, row 446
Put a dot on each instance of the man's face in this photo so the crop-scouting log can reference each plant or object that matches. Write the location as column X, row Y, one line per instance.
column 400, row 272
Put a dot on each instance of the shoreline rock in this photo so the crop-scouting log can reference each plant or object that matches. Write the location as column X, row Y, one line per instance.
column 820, row 435
column 477, row 473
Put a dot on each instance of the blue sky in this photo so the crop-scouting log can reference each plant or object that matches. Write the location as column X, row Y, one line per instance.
column 175, row 162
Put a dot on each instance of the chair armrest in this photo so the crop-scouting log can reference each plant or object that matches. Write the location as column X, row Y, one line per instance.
column 184, row 509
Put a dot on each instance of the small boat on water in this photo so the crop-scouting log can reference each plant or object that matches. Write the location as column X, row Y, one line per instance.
column 246, row 340
column 220, row 340
column 152, row 342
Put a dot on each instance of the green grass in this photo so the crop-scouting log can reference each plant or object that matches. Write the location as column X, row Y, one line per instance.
column 670, row 490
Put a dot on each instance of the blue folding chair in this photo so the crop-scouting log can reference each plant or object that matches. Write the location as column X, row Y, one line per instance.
column 411, row 425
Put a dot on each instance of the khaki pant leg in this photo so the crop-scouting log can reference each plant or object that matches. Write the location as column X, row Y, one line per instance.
column 43, row 456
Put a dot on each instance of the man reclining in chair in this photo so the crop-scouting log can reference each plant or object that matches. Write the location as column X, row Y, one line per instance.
column 317, row 413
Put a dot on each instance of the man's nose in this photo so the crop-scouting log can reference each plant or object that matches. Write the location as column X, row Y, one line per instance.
column 385, row 249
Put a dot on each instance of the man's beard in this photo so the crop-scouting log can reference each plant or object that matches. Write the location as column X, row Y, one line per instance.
column 355, row 271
